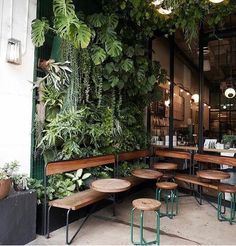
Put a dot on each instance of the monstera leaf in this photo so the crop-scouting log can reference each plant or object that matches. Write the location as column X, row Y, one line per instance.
column 71, row 28
column 97, row 20
column 113, row 48
column 112, row 21
column 39, row 29
column 127, row 65
column 63, row 7
column 98, row 55
column 82, row 36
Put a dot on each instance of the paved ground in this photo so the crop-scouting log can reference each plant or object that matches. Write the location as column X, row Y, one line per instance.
column 194, row 224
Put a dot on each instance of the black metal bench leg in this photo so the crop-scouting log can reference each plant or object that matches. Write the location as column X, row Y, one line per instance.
column 69, row 241
column 48, row 222
column 114, row 205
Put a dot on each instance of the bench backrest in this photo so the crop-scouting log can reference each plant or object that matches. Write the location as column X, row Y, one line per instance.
column 127, row 156
column 72, row 165
column 220, row 160
column 173, row 154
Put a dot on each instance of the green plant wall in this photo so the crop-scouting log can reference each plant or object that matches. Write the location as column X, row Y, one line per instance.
column 94, row 98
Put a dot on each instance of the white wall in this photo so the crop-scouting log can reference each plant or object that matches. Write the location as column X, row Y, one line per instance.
column 15, row 90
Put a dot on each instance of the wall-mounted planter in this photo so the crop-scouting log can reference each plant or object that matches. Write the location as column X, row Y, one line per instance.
column 5, row 186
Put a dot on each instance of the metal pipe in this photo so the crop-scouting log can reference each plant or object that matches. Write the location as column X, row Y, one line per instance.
column 171, row 108
column 201, row 88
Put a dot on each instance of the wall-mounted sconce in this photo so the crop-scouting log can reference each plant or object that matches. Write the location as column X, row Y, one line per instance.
column 195, row 98
column 14, row 51
column 230, row 92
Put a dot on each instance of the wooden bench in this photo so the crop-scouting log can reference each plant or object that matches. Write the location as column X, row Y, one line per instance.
column 173, row 154
column 77, row 200
column 193, row 179
column 130, row 156
column 214, row 159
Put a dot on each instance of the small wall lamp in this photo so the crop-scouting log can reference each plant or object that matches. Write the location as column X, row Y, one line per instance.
column 14, row 51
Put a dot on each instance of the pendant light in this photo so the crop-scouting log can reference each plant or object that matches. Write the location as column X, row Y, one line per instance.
column 161, row 10
column 216, row 1
column 164, row 11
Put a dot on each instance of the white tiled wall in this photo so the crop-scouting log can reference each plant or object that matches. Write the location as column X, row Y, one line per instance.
column 15, row 88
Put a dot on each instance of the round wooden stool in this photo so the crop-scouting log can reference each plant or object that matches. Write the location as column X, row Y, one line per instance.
column 145, row 204
column 167, row 168
column 222, row 189
column 170, row 195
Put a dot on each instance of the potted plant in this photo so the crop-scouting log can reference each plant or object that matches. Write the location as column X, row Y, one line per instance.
column 6, row 175
column 5, row 184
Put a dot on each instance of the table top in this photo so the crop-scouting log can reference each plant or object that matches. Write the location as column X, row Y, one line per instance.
column 111, row 185
column 147, row 173
column 213, row 174
column 165, row 166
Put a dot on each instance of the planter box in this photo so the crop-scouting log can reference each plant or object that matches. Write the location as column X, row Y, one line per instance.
column 18, row 218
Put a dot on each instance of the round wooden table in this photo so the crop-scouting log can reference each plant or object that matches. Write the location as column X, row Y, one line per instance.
column 110, row 185
column 147, row 174
column 165, row 166
column 213, row 174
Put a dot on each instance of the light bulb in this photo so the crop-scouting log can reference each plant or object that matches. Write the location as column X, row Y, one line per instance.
column 167, row 103
column 164, row 11
column 195, row 98
column 158, row 2
column 230, row 92
column 216, row 1
column 181, row 90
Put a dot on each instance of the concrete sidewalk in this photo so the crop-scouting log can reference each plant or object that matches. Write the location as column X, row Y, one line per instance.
column 195, row 224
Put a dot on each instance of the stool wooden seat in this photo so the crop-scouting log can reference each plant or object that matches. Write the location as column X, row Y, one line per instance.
column 146, row 173
column 166, row 185
column 165, row 166
column 227, row 188
column 146, row 204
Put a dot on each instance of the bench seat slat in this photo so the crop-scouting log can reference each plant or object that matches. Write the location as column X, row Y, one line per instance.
column 173, row 154
column 79, row 199
column 195, row 180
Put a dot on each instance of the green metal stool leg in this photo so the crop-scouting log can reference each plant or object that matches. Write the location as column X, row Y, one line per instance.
column 231, row 208
column 158, row 227
column 141, row 228
column 177, row 201
column 234, row 204
column 219, row 206
column 172, row 199
column 167, row 202
column 132, row 226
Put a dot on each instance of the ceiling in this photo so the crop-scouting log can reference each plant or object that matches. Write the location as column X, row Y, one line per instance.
column 219, row 54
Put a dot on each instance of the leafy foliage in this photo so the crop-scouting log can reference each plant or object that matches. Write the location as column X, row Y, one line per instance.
column 66, row 25
column 98, row 108
column 59, row 185
column 39, row 29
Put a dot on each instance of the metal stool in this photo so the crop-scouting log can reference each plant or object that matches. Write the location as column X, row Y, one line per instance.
column 170, row 193
column 145, row 204
column 222, row 189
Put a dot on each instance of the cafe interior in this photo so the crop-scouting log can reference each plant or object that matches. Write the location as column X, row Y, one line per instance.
column 198, row 102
